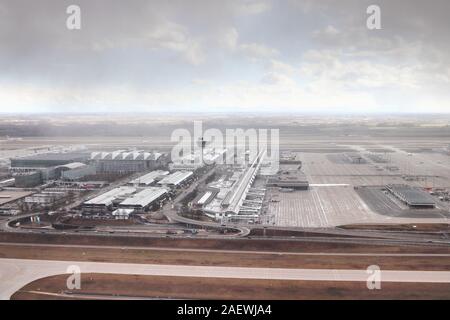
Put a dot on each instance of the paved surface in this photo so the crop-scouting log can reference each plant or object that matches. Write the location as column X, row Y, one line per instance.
column 16, row 273
column 332, row 201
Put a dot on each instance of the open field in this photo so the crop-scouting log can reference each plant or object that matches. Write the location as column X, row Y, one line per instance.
column 113, row 286
column 232, row 258
column 306, row 245
column 401, row 227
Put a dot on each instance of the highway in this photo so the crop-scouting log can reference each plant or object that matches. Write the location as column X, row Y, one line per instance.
column 16, row 273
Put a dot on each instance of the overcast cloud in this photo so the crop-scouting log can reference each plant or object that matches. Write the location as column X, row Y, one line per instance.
column 226, row 56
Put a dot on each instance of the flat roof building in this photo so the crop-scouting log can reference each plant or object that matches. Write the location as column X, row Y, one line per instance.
column 149, row 178
column 206, row 197
column 126, row 162
column 51, row 159
column 194, row 161
column 122, row 214
column 144, row 199
column 413, row 197
column 105, row 200
column 29, row 179
column 46, row 198
column 176, row 178
column 291, row 179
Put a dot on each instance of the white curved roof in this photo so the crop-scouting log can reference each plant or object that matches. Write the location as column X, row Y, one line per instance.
column 72, row 165
column 122, row 155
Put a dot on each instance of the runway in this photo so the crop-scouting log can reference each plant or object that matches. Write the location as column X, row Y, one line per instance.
column 16, row 273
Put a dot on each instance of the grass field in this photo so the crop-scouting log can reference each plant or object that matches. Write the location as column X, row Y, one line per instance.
column 104, row 286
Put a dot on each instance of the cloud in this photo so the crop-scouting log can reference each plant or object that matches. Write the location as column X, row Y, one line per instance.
column 165, row 35
column 229, row 39
column 258, row 51
column 328, row 32
column 252, row 7
column 254, row 55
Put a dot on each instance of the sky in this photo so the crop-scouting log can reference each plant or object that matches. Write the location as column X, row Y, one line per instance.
column 264, row 56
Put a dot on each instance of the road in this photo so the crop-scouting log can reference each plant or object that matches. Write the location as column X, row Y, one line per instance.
column 16, row 273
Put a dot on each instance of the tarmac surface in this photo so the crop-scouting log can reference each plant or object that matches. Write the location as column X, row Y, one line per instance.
column 16, row 273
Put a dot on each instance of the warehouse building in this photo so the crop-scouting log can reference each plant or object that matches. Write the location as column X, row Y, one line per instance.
column 177, row 179
column 106, row 200
column 149, row 178
column 126, row 162
column 145, row 199
column 413, row 197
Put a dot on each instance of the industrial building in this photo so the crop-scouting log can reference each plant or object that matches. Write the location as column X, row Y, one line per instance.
column 106, row 200
column 48, row 165
column 45, row 199
column 46, row 160
column 290, row 179
column 290, row 158
column 149, row 178
column 126, row 162
column 74, row 171
column 377, row 158
column 413, row 197
column 192, row 162
column 205, row 198
column 7, row 183
column 122, row 214
column 176, row 179
column 145, row 199
column 355, row 158
column 29, row 179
